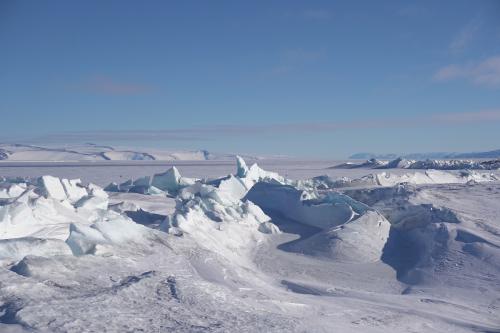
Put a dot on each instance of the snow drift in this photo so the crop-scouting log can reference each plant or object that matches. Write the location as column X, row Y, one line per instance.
column 349, row 231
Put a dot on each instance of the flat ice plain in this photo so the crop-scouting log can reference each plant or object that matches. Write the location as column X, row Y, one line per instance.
column 269, row 249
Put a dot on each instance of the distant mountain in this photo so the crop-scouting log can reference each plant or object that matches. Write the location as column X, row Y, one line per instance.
column 369, row 156
column 93, row 152
column 443, row 164
column 424, row 156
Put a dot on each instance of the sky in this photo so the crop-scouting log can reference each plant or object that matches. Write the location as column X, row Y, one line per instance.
column 301, row 78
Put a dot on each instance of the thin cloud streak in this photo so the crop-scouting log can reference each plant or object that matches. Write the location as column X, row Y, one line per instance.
column 465, row 36
column 486, row 72
column 223, row 131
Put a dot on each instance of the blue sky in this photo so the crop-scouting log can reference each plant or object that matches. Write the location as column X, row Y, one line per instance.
column 302, row 78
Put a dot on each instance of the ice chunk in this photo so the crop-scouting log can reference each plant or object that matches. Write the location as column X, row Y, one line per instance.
column 52, row 187
column 74, row 190
column 18, row 248
column 152, row 190
column 119, row 229
column 63, row 210
column 325, row 212
column 83, row 240
column 124, row 206
column 9, row 190
column 171, row 180
column 230, row 190
column 167, row 181
column 268, row 228
column 92, row 203
column 242, row 168
column 255, row 173
column 250, row 176
column 97, row 191
column 112, row 187
column 144, row 181
column 217, row 217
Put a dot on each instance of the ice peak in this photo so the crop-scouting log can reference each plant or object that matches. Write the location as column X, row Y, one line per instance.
column 242, row 168
column 174, row 172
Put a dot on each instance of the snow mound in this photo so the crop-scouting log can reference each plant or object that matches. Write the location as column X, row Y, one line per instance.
column 359, row 241
column 427, row 240
column 349, row 230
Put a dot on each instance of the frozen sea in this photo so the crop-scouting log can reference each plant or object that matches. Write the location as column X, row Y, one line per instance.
column 438, row 270
column 102, row 173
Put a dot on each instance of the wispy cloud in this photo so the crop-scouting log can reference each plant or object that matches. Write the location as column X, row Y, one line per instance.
column 224, row 131
column 108, row 86
column 465, row 36
column 486, row 72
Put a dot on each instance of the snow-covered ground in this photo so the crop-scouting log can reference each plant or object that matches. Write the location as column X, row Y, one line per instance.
column 215, row 247
column 94, row 152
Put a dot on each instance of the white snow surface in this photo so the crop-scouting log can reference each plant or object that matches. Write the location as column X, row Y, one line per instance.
column 415, row 178
column 94, row 152
column 251, row 251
